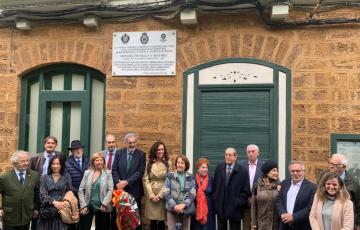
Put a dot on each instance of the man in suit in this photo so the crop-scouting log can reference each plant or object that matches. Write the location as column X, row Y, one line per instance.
column 109, row 155
column 230, row 191
column 338, row 164
column 19, row 191
column 253, row 165
column 295, row 198
column 128, row 168
column 40, row 162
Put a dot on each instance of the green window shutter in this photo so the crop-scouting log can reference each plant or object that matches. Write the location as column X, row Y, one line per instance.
column 234, row 117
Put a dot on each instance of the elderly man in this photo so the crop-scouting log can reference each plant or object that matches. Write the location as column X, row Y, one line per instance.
column 230, row 191
column 128, row 168
column 19, row 192
column 338, row 164
column 295, row 198
column 253, row 165
column 109, row 155
column 76, row 164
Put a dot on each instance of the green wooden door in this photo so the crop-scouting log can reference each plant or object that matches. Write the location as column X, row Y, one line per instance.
column 236, row 117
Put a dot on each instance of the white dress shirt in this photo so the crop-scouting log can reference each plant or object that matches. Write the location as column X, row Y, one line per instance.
column 252, row 171
column 291, row 196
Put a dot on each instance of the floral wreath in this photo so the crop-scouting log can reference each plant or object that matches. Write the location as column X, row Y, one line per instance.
column 128, row 216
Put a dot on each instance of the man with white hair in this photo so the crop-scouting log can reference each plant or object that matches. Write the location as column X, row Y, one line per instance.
column 128, row 169
column 19, row 192
column 338, row 164
column 253, row 165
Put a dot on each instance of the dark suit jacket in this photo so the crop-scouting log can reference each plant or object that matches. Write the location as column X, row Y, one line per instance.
column 135, row 174
column 18, row 201
column 302, row 205
column 37, row 162
column 230, row 199
column 258, row 173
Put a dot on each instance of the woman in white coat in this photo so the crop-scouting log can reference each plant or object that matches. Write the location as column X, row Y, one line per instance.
column 95, row 194
column 332, row 208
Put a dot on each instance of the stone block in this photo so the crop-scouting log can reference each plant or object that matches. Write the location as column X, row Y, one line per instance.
column 201, row 50
column 224, row 46
column 300, row 95
column 171, row 122
column 258, row 45
column 302, row 108
column 191, row 54
column 299, row 125
column 247, row 44
column 158, row 108
column 158, row 83
column 113, row 95
column 323, row 108
column 270, row 47
column 320, row 95
column 235, row 45
column 143, row 96
column 115, row 106
column 43, row 50
column 122, row 83
column 282, row 51
column 212, row 47
column 132, row 121
column 318, row 126
column 322, row 80
column 302, row 80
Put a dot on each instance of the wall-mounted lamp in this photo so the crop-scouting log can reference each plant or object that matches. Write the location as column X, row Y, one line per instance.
column 279, row 12
column 91, row 21
column 23, row 24
column 188, row 17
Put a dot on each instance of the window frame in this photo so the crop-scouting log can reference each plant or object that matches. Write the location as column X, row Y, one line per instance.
column 66, row 95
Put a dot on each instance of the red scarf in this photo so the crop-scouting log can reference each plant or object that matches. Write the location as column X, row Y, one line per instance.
column 201, row 202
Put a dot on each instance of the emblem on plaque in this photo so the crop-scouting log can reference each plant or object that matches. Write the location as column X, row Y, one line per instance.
column 125, row 38
column 163, row 38
column 144, row 39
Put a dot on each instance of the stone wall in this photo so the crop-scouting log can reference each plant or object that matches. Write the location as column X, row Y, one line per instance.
column 324, row 60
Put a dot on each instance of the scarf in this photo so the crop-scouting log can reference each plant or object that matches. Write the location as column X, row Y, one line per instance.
column 201, row 202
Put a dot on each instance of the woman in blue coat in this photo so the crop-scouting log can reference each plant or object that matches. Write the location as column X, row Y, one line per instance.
column 205, row 215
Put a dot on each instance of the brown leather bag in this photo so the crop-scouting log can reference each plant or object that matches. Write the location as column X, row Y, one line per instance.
column 70, row 213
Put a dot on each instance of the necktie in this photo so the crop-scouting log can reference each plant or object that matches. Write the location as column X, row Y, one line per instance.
column 228, row 173
column 130, row 155
column 109, row 160
column 21, row 175
column 78, row 164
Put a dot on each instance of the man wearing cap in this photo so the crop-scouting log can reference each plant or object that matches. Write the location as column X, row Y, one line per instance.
column 128, row 168
column 19, row 193
column 109, row 155
column 76, row 165
column 40, row 164
column 253, row 165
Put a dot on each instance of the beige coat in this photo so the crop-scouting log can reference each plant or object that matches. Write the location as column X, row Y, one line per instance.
column 154, row 185
column 342, row 216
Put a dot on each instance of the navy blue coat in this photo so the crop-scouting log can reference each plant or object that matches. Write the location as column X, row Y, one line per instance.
column 230, row 199
column 210, row 225
column 302, row 207
column 135, row 174
column 75, row 173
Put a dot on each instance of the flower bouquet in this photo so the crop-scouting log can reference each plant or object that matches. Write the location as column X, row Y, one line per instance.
column 128, row 216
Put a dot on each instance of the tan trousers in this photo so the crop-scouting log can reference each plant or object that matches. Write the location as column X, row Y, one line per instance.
column 246, row 219
column 172, row 219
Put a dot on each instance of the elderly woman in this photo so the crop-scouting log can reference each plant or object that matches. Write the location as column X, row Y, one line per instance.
column 179, row 195
column 154, row 178
column 205, row 215
column 95, row 193
column 53, row 187
column 332, row 208
column 263, row 210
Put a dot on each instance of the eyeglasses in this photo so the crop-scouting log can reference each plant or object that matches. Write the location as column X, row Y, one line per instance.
column 296, row 171
column 336, row 165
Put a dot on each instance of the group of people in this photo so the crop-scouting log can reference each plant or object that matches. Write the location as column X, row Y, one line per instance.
column 245, row 193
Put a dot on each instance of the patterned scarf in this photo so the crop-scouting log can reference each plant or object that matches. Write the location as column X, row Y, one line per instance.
column 202, row 207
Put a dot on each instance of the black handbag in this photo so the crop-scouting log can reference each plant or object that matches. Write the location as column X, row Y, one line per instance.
column 48, row 211
column 190, row 210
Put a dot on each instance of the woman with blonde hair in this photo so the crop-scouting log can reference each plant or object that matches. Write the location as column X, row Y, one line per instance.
column 154, row 178
column 332, row 208
column 95, row 193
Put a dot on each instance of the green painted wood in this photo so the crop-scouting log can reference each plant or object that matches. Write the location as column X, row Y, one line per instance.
column 46, row 96
column 334, row 138
column 234, row 117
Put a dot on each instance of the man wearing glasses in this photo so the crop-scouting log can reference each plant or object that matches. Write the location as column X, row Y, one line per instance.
column 337, row 164
column 295, row 199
